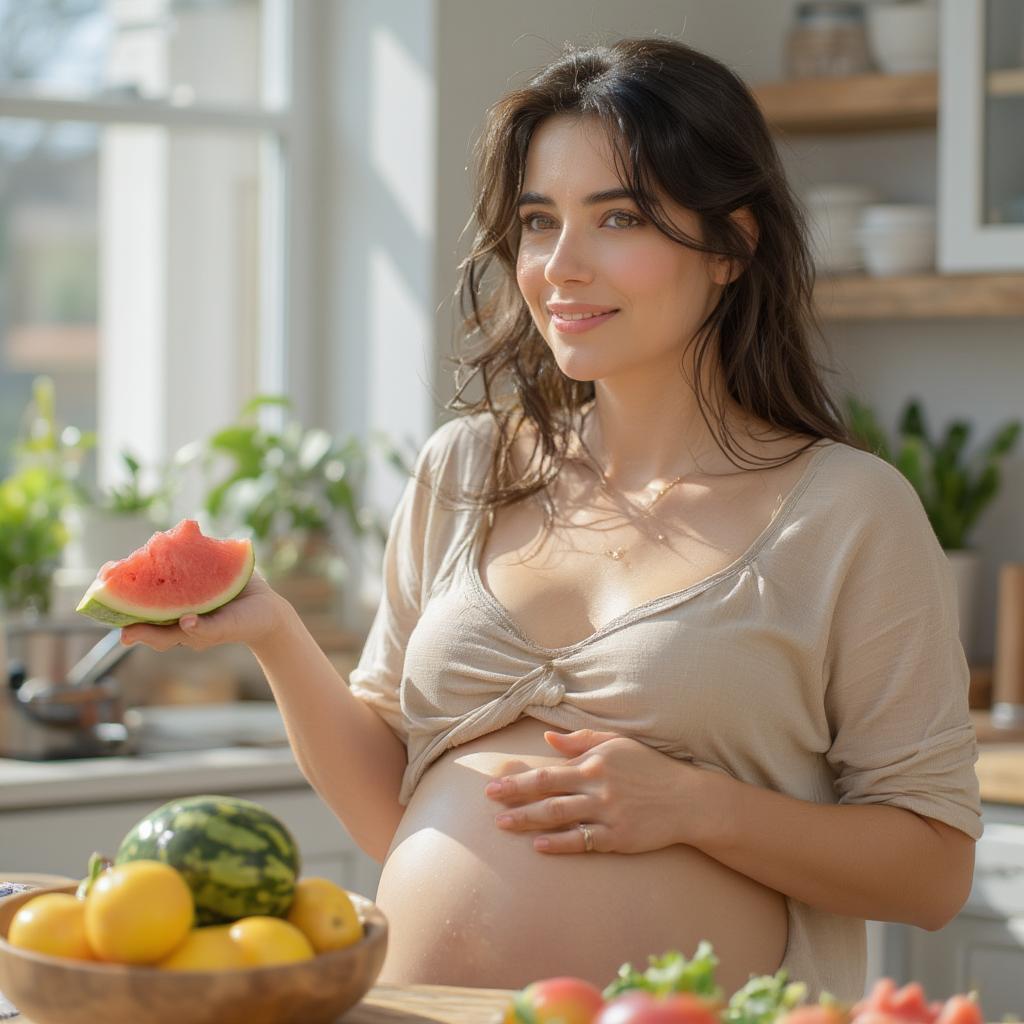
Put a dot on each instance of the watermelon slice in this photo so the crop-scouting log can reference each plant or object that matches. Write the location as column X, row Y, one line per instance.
column 176, row 572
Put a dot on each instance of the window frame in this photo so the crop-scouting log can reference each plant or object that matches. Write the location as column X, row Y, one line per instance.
column 285, row 356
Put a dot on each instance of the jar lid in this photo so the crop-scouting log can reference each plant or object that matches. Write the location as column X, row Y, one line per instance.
column 811, row 11
column 839, row 192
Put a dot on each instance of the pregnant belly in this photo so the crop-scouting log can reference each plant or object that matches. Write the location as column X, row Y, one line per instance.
column 471, row 904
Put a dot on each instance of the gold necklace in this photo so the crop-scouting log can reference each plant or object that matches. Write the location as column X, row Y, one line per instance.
column 644, row 510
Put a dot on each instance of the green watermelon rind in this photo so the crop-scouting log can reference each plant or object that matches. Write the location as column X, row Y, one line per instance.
column 105, row 608
column 237, row 858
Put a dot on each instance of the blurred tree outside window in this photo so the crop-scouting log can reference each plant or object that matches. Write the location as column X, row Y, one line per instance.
column 134, row 246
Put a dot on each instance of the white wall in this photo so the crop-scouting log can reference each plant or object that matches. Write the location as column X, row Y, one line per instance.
column 466, row 53
column 379, row 220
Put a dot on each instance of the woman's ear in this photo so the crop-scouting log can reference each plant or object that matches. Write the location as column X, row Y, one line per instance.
column 724, row 270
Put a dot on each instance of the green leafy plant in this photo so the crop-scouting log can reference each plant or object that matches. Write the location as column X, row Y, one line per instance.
column 43, row 480
column 953, row 488
column 133, row 496
column 287, row 488
column 32, row 537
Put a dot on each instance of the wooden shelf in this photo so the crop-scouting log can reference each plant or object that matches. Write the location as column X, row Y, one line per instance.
column 854, row 103
column 1006, row 82
column 919, row 297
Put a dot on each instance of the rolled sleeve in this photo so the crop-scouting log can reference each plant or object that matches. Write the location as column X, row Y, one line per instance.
column 896, row 677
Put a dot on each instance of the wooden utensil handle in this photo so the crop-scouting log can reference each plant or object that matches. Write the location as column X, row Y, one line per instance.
column 1008, row 684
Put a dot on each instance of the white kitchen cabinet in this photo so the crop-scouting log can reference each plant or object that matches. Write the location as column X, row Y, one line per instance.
column 59, row 839
column 981, row 136
column 974, row 952
column 983, row 947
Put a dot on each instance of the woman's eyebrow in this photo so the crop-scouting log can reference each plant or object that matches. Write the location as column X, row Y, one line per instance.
column 536, row 199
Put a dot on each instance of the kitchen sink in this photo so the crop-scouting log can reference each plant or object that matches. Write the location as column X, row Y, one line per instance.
column 167, row 729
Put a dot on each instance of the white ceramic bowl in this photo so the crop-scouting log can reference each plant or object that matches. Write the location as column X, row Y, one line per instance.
column 901, row 249
column 904, row 37
column 897, row 215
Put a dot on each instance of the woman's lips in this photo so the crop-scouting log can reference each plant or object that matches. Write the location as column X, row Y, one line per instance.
column 579, row 326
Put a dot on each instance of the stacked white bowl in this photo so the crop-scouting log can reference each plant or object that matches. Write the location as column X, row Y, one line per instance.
column 834, row 212
column 897, row 238
column 904, row 37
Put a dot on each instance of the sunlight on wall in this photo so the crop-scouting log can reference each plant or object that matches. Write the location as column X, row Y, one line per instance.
column 398, row 342
column 133, row 298
column 401, row 129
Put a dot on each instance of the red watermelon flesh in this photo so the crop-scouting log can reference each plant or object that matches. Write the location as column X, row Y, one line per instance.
column 177, row 572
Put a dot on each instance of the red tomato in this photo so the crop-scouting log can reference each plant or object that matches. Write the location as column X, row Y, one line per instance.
column 645, row 1008
column 814, row 1014
column 887, row 1003
column 875, row 1017
column 961, row 1010
column 558, row 1001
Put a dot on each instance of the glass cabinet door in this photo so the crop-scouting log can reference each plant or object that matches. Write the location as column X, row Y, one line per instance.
column 981, row 136
column 1003, row 147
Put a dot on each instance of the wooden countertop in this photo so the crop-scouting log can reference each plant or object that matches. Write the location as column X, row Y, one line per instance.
column 406, row 1004
column 418, row 1004
column 1000, row 766
column 1000, row 771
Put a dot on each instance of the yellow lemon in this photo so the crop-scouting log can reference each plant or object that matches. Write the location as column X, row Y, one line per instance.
column 137, row 913
column 205, row 949
column 323, row 912
column 54, row 923
column 269, row 940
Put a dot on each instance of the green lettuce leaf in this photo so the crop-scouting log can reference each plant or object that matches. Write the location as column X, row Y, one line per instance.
column 671, row 972
column 764, row 998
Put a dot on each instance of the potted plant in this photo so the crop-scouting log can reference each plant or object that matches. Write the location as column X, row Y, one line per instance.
column 295, row 491
column 43, row 479
column 107, row 524
column 953, row 488
column 32, row 537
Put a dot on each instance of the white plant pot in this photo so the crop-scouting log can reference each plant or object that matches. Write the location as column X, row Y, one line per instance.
column 966, row 566
column 97, row 536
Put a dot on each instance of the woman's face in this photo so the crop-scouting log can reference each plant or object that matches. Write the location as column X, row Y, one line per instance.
column 583, row 253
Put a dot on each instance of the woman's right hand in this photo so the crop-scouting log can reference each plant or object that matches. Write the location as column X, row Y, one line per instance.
column 253, row 618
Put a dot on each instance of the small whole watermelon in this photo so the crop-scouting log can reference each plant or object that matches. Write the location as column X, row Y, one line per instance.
column 237, row 857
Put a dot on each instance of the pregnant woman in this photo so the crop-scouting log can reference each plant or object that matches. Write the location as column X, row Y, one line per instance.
column 640, row 675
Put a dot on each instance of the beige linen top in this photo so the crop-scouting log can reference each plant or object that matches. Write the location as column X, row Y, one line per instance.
column 824, row 663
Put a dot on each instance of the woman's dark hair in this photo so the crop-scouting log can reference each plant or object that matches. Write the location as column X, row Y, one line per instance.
column 684, row 125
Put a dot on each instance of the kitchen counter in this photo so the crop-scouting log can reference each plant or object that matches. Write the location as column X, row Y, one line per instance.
column 394, row 1004
column 1000, row 771
column 419, row 1004
column 37, row 784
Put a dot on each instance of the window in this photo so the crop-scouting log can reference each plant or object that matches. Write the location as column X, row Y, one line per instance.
column 150, row 154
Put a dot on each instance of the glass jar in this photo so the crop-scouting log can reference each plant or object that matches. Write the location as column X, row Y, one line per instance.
column 827, row 39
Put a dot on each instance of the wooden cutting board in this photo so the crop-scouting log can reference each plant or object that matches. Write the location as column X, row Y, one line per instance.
column 409, row 1004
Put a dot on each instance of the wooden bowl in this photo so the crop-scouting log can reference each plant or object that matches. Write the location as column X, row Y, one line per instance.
column 54, row 990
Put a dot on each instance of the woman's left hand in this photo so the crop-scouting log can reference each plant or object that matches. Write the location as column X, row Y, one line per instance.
column 633, row 797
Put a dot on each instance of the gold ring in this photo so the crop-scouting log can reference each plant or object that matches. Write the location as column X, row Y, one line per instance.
column 588, row 837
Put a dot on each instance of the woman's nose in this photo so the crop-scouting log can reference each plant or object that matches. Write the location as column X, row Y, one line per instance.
column 569, row 260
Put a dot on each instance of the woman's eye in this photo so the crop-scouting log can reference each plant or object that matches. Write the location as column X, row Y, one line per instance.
column 529, row 220
column 630, row 219
column 618, row 219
